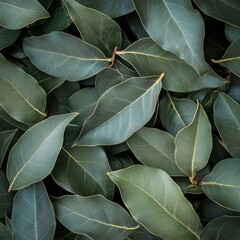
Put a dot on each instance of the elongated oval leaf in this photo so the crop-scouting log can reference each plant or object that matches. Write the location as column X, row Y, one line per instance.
column 22, row 97
column 148, row 58
column 33, row 215
column 227, row 120
column 99, row 29
column 224, row 10
column 155, row 148
column 95, row 217
column 18, row 14
column 81, row 163
column 121, row 111
column 8, row 37
column 177, row 19
column 193, row 144
column 79, row 60
column 164, row 210
column 176, row 113
column 222, row 185
column 33, row 157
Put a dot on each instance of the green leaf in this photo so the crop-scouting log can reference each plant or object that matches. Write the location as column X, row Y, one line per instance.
column 155, row 148
column 8, row 37
column 176, row 113
column 22, row 97
column 98, row 30
column 148, row 58
column 19, row 14
column 5, row 233
column 121, row 111
column 227, row 120
column 95, row 217
column 231, row 58
column 165, row 212
column 222, row 228
column 5, row 139
column 224, row 10
column 178, row 19
column 125, row 71
column 33, row 157
column 78, row 61
column 222, row 185
column 231, row 32
column 33, row 214
column 193, row 144
column 81, row 163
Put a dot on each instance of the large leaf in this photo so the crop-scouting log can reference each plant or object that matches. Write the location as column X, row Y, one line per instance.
column 231, row 58
column 22, row 97
column 33, row 215
column 81, row 163
column 95, row 217
column 164, row 210
column 33, row 157
column 193, row 144
column 222, row 228
column 77, row 61
column 155, row 148
column 8, row 37
column 148, row 58
column 224, row 10
column 18, row 14
column 99, row 29
column 222, row 185
column 177, row 19
column 176, row 113
column 227, row 120
column 121, row 111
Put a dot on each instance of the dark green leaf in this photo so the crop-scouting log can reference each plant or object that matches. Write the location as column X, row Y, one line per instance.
column 8, row 37
column 232, row 32
column 5, row 234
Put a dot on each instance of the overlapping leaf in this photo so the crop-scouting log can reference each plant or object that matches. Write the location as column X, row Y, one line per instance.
column 148, row 58
column 121, row 111
column 5, row 233
column 164, row 210
column 231, row 32
column 99, row 30
column 22, row 97
column 33, row 215
column 193, row 144
column 33, row 157
column 222, row 185
column 95, row 217
column 8, row 37
column 77, row 61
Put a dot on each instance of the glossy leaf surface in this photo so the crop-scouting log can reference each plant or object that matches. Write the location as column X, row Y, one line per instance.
column 160, row 213
column 27, row 165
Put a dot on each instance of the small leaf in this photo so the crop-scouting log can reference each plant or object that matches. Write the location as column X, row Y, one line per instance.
column 78, row 61
column 33, row 157
column 22, row 97
column 222, row 185
column 95, row 217
column 226, row 114
column 81, row 163
column 193, row 144
column 164, row 210
column 19, row 14
column 33, row 215
column 8, row 37
column 121, row 111
column 155, row 148
column 222, row 228
column 98, row 30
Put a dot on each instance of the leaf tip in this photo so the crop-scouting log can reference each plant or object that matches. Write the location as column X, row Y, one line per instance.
column 161, row 76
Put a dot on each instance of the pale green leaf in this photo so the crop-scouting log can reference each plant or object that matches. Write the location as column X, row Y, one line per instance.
column 148, row 58
column 95, row 217
column 120, row 111
column 18, row 14
column 8, row 37
column 193, row 144
column 33, row 215
column 222, row 185
column 98, row 30
column 155, row 148
column 157, row 203
column 231, row 32
column 33, row 157
column 65, row 56
column 22, row 97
